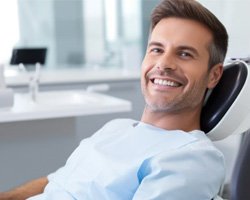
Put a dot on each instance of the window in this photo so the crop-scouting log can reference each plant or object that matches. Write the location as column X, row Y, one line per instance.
column 9, row 33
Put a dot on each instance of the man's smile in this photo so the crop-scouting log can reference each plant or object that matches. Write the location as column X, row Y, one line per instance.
column 165, row 82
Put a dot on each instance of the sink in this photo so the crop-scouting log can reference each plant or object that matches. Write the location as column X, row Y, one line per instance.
column 65, row 98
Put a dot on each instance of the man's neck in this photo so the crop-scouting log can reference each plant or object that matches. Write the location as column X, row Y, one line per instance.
column 186, row 121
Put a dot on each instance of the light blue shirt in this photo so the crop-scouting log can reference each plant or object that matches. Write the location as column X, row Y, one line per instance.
column 129, row 160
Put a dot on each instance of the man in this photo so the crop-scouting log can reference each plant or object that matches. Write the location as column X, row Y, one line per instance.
column 165, row 155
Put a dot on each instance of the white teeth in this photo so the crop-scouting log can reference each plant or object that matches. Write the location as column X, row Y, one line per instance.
column 165, row 82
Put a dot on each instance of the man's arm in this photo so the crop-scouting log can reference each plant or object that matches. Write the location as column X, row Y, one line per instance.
column 194, row 171
column 25, row 191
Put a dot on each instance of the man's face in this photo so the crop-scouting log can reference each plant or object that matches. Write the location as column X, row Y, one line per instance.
column 175, row 71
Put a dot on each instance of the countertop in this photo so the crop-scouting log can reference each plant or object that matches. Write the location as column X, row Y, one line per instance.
column 59, row 104
column 14, row 77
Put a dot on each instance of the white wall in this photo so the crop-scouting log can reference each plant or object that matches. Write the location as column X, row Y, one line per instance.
column 234, row 14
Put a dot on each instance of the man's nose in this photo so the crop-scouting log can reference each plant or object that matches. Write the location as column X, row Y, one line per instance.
column 166, row 62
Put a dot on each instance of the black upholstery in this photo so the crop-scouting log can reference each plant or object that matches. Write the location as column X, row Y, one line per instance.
column 223, row 95
column 239, row 187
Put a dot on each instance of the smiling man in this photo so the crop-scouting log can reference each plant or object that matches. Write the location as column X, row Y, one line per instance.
column 165, row 155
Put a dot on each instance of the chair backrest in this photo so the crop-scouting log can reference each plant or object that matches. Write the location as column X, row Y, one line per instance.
column 227, row 112
column 239, row 186
column 227, row 108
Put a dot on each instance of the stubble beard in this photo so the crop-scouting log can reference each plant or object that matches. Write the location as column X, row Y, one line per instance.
column 187, row 101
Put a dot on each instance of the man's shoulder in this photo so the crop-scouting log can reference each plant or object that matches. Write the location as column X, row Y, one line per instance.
column 116, row 126
column 120, row 123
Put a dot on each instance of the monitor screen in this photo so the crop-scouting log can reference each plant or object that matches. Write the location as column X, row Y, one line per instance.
column 28, row 56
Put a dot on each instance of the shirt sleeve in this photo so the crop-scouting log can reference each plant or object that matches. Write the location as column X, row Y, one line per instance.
column 54, row 192
column 193, row 172
column 115, row 126
column 58, row 181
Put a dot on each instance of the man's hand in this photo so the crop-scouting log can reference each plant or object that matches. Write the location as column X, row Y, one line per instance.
column 25, row 191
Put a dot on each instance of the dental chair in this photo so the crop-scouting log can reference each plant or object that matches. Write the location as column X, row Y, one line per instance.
column 241, row 175
column 227, row 111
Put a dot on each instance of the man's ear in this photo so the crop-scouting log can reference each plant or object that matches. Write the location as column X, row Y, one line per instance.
column 215, row 74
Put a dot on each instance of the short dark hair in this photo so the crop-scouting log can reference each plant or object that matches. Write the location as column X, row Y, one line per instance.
column 191, row 9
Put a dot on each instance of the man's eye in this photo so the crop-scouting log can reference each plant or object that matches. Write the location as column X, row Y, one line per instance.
column 185, row 54
column 155, row 50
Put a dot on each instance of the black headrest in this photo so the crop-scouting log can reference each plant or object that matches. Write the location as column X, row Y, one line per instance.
column 223, row 95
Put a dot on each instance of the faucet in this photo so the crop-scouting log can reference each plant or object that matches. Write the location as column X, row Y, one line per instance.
column 34, row 82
